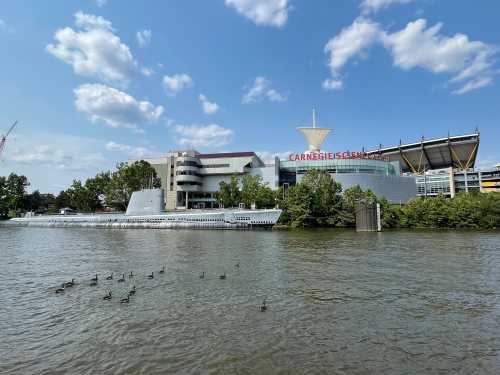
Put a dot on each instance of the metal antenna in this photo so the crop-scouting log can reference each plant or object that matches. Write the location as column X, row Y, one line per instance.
column 314, row 118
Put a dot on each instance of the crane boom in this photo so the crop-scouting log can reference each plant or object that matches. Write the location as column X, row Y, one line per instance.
column 3, row 139
column 11, row 128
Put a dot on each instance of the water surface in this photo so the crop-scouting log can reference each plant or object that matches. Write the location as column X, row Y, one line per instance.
column 339, row 302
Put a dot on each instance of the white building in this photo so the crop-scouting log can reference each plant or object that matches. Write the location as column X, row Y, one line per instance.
column 190, row 179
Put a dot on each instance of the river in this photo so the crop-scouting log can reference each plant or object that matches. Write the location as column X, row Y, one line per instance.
column 338, row 302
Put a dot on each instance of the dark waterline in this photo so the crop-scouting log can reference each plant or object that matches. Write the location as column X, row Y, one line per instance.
column 338, row 302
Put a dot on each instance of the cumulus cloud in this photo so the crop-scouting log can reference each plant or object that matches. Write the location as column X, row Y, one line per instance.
column 351, row 41
column 332, row 84
column 195, row 136
column 261, row 89
column 144, row 38
column 147, row 71
column 115, row 108
column 208, row 107
column 94, row 50
column 133, row 151
column 176, row 83
column 262, row 12
column 268, row 156
column 55, row 150
column 373, row 6
column 470, row 63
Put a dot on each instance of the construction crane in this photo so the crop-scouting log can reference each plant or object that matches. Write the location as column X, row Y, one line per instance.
column 3, row 140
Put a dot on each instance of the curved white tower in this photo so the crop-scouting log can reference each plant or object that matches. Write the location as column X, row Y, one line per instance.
column 315, row 136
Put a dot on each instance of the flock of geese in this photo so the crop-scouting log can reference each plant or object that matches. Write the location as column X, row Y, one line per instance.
column 94, row 282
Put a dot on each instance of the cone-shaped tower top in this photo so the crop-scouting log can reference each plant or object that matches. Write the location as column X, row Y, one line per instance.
column 315, row 136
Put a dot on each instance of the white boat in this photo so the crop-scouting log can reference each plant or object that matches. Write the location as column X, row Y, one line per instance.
column 145, row 211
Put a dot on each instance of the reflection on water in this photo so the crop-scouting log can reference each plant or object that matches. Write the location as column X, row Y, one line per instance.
column 338, row 302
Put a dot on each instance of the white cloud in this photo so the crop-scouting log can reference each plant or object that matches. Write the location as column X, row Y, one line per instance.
column 101, row 3
column 262, row 12
column 147, row 71
column 195, row 136
column 350, row 42
column 208, row 107
column 176, row 83
column 268, row 156
column 261, row 89
column 373, row 6
column 469, row 62
column 52, row 160
column 94, row 51
column 144, row 38
column 60, row 151
column 133, row 151
column 332, row 84
column 113, row 107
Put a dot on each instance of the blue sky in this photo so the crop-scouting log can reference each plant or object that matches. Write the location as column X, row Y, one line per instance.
column 94, row 82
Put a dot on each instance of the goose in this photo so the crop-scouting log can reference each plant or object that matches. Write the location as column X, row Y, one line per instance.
column 263, row 307
column 126, row 299
column 69, row 284
column 202, row 275
column 223, row 276
column 132, row 291
column 131, row 275
column 107, row 297
column 61, row 289
column 162, row 270
column 151, row 276
column 110, row 277
column 122, row 278
column 95, row 278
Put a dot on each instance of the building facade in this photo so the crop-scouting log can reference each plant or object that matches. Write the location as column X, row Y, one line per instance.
column 449, row 181
column 191, row 179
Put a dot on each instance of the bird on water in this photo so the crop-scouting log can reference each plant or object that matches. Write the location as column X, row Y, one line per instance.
column 162, row 270
column 131, row 275
column 93, row 281
column 151, row 276
column 107, row 297
column 122, row 279
column 237, row 265
column 132, row 291
column 69, row 284
column 223, row 276
column 61, row 289
column 202, row 275
column 110, row 277
column 263, row 307
column 126, row 299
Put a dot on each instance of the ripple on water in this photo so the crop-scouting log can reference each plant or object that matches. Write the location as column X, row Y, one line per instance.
column 338, row 302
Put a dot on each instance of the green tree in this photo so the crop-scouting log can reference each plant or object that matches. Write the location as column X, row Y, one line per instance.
column 229, row 194
column 127, row 179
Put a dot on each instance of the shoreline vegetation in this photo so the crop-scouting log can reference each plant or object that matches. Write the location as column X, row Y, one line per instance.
column 315, row 202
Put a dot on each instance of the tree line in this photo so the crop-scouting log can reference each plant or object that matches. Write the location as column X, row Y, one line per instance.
column 315, row 201
column 106, row 190
column 318, row 201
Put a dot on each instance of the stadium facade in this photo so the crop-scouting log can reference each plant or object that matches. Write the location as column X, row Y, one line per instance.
column 440, row 166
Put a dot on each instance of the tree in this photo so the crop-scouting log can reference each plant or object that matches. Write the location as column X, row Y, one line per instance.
column 80, row 197
column 63, row 200
column 253, row 190
column 314, row 201
column 127, row 179
column 229, row 194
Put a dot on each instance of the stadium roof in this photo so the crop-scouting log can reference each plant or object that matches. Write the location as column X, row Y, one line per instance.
column 457, row 152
